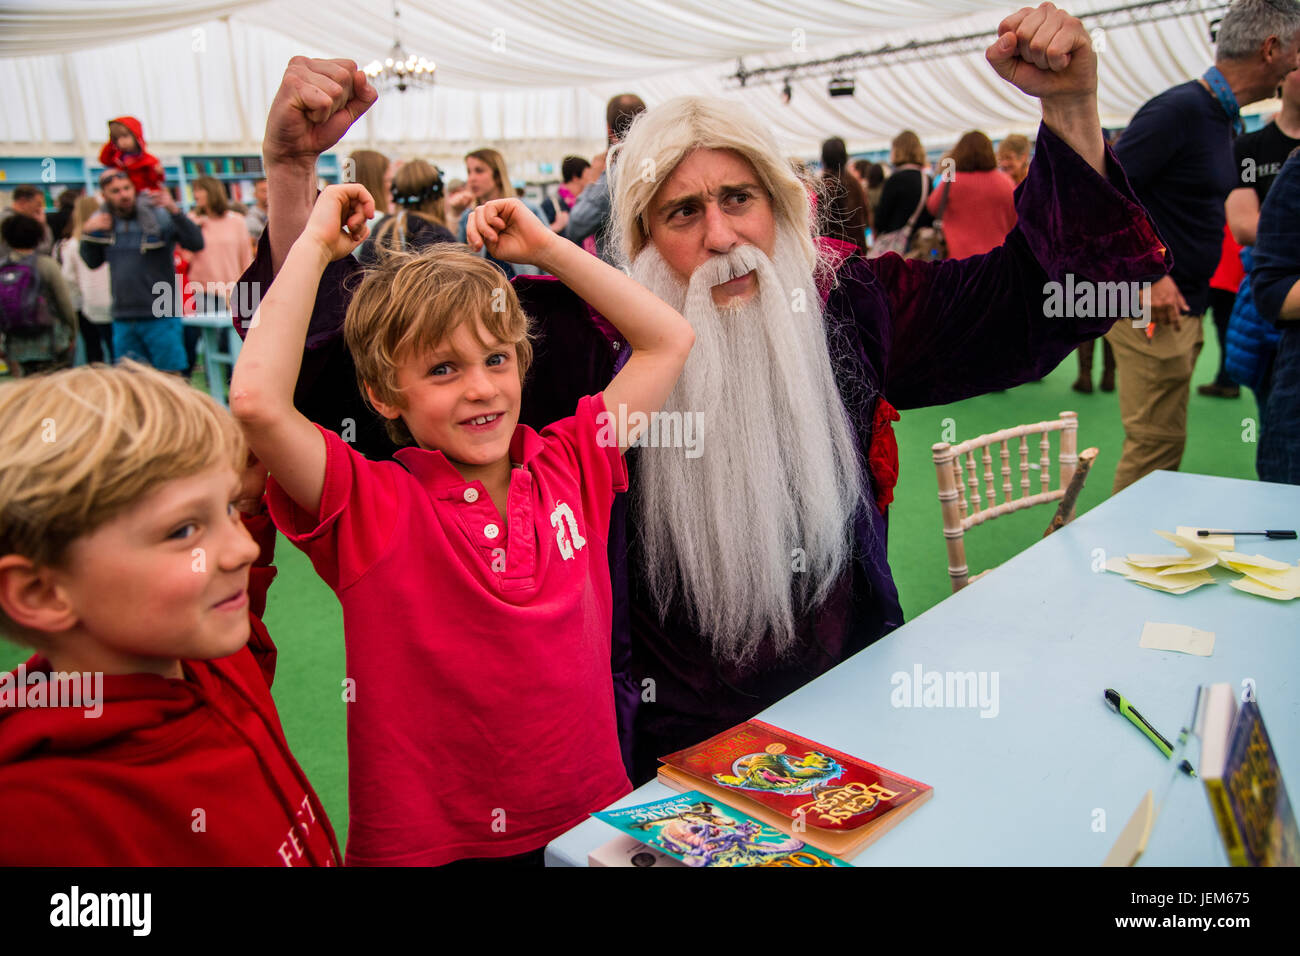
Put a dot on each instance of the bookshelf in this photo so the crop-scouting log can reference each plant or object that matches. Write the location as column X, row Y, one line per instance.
column 53, row 174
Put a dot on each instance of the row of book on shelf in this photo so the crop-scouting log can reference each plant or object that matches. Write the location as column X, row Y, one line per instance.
column 756, row 795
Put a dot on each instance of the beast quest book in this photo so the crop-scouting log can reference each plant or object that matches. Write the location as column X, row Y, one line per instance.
column 827, row 798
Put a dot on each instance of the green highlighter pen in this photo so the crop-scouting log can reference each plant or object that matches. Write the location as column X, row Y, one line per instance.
column 1121, row 706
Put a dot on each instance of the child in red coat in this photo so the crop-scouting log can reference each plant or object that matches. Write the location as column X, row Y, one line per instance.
column 125, row 150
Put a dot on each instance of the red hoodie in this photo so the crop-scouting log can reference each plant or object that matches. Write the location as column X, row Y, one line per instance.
column 189, row 772
column 144, row 168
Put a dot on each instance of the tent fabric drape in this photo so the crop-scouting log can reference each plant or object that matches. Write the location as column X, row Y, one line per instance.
column 531, row 76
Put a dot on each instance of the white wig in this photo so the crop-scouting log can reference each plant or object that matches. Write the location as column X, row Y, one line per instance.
column 660, row 138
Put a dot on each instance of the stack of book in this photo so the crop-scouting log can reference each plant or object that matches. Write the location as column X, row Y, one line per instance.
column 757, row 795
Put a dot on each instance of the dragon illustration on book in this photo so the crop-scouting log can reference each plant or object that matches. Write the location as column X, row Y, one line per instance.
column 781, row 772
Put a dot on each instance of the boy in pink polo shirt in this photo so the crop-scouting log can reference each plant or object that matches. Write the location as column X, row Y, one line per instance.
column 472, row 570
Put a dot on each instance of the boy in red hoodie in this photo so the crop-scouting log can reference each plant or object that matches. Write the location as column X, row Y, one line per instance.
column 125, row 150
column 143, row 730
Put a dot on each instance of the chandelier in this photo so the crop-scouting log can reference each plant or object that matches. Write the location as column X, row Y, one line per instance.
column 400, row 70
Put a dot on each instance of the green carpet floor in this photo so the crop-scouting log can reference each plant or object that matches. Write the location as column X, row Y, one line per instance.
column 305, row 621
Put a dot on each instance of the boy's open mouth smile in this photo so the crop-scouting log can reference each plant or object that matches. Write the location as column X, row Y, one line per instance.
column 483, row 422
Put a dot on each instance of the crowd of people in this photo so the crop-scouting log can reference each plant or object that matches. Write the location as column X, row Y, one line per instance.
column 415, row 209
column 532, row 578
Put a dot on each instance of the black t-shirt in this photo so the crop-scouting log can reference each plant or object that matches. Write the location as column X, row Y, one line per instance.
column 899, row 198
column 1178, row 155
column 1260, row 156
column 420, row 233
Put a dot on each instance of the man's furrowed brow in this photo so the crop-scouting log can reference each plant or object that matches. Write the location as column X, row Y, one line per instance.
column 670, row 205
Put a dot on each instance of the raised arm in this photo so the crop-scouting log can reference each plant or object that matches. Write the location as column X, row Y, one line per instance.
column 317, row 102
column 261, row 390
column 1047, row 53
column 658, row 335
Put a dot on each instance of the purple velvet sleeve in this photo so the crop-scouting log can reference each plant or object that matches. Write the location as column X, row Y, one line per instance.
column 938, row 332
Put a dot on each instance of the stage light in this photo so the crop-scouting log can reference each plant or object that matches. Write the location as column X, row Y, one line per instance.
column 840, row 86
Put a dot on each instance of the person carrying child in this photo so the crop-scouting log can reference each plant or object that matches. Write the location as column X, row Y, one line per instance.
column 473, row 569
column 143, row 731
column 125, row 150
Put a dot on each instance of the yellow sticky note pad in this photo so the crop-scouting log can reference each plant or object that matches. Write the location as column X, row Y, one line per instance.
column 1251, row 586
column 1177, row 637
column 1288, row 580
column 1189, row 565
column 1168, row 589
column 1170, row 581
column 1219, row 542
column 1156, row 560
column 1239, row 562
column 1192, row 546
column 1158, row 581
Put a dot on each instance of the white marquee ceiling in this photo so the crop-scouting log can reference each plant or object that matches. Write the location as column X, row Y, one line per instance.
column 530, row 76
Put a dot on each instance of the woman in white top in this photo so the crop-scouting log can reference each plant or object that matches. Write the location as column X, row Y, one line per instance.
column 90, row 288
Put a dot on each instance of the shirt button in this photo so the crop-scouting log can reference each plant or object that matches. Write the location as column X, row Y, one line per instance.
column 491, row 531
column 616, row 345
column 471, row 495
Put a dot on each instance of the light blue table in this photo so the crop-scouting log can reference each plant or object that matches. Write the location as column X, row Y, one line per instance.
column 1024, row 787
column 221, row 345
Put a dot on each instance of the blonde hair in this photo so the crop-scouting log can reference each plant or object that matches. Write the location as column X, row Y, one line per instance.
column 659, row 139
column 80, row 446
column 906, row 148
column 410, row 303
column 86, row 207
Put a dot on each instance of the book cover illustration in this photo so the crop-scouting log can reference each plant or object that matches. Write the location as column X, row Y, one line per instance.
column 627, row 851
column 1257, row 794
column 797, row 778
column 700, row 831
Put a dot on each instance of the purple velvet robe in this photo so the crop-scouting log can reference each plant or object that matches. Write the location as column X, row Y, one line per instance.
column 916, row 333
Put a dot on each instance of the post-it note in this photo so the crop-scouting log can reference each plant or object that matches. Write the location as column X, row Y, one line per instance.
column 1177, row 637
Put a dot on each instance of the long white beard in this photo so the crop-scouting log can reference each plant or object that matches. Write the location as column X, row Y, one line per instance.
column 753, row 534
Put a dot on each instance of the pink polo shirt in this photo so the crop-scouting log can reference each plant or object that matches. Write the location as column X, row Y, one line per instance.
column 482, row 722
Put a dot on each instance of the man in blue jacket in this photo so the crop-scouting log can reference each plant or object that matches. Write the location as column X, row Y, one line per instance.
column 146, row 298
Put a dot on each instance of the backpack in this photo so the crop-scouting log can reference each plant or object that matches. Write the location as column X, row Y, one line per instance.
column 22, row 307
